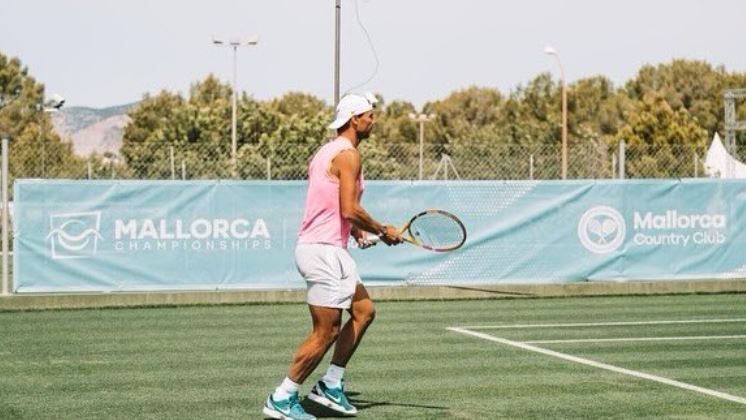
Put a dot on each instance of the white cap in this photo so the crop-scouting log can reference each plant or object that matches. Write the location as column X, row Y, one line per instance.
column 352, row 105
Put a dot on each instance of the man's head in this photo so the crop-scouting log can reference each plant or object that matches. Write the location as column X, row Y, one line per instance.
column 355, row 112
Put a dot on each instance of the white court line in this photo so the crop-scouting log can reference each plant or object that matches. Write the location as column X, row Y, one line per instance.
column 606, row 324
column 611, row 340
column 604, row 366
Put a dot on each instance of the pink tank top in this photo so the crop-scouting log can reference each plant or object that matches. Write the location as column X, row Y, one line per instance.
column 322, row 220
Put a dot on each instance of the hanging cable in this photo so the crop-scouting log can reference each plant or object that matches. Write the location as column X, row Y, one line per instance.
column 372, row 49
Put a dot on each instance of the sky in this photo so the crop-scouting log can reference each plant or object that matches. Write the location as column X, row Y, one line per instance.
column 102, row 53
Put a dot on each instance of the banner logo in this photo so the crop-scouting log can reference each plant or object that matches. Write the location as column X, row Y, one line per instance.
column 74, row 235
column 601, row 229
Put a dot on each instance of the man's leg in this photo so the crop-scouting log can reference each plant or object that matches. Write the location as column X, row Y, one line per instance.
column 284, row 401
column 362, row 312
column 329, row 391
column 326, row 322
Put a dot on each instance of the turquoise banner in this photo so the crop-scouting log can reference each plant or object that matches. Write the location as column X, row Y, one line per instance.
column 209, row 235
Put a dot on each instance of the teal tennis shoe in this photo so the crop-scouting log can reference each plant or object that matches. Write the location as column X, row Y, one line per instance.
column 333, row 398
column 289, row 409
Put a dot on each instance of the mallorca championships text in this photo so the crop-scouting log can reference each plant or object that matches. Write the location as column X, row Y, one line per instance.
column 196, row 235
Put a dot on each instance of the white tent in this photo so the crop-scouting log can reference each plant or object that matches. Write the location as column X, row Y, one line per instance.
column 720, row 164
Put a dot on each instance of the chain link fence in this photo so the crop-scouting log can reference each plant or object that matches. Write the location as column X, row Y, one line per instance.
column 381, row 161
column 384, row 161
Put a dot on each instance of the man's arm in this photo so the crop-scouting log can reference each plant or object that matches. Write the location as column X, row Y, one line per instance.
column 346, row 167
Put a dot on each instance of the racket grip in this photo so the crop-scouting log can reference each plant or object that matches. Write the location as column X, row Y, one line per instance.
column 372, row 241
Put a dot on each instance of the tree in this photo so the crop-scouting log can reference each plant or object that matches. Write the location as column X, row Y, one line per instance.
column 595, row 114
column 392, row 151
column 154, row 127
column 691, row 85
column 394, row 125
column 463, row 110
column 487, row 134
column 35, row 149
column 298, row 104
column 20, row 98
column 661, row 141
column 285, row 132
column 284, row 152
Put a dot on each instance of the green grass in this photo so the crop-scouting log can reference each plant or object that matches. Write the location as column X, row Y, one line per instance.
column 221, row 361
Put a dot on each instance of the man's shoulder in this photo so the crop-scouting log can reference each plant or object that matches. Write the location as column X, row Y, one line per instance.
column 346, row 160
column 348, row 155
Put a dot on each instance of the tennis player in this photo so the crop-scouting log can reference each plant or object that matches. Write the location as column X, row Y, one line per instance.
column 332, row 214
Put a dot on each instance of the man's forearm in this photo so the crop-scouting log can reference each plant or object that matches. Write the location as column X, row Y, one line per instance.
column 364, row 221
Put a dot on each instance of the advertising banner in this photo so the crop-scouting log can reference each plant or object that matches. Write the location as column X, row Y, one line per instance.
column 217, row 235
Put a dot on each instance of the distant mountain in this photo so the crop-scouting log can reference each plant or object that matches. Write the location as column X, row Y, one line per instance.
column 93, row 130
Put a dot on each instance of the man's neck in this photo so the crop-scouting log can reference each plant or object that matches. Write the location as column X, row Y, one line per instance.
column 351, row 136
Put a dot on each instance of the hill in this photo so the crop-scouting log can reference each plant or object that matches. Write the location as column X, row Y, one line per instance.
column 93, row 130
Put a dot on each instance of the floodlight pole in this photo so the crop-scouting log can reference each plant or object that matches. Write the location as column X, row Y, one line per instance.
column 51, row 106
column 732, row 125
column 421, row 118
column 5, row 224
column 234, row 137
column 337, row 33
column 235, row 43
column 552, row 51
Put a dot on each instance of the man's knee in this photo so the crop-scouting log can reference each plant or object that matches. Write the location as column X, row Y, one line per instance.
column 371, row 316
column 366, row 314
column 327, row 335
column 326, row 324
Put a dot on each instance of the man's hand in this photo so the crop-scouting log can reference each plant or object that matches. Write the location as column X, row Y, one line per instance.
column 391, row 235
column 362, row 238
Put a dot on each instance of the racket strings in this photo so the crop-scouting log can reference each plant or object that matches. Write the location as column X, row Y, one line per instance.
column 437, row 231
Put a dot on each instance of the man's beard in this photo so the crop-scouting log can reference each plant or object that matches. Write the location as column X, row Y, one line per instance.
column 362, row 135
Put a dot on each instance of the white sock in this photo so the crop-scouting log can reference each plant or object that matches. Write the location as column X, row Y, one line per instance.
column 333, row 377
column 285, row 390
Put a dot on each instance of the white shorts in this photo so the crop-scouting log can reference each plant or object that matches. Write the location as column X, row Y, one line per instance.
column 330, row 273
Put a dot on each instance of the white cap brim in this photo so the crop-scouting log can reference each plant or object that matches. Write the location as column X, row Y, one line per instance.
column 348, row 107
column 339, row 122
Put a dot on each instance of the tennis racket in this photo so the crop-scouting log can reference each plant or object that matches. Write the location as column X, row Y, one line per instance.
column 434, row 230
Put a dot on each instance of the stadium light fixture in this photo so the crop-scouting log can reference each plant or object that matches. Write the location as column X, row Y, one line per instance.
column 235, row 43
column 551, row 51
column 54, row 103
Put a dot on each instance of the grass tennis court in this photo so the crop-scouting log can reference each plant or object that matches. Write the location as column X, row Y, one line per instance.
column 221, row 361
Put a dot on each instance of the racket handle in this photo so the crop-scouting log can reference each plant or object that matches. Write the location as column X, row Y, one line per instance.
column 373, row 240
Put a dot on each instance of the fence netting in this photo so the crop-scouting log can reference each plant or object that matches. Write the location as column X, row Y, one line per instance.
column 381, row 160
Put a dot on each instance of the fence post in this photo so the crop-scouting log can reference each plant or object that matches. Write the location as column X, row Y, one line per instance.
column 90, row 170
column 183, row 170
column 173, row 163
column 531, row 167
column 696, row 165
column 269, row 169
column 622, row 160
column 6, row 209
column 43, row 159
